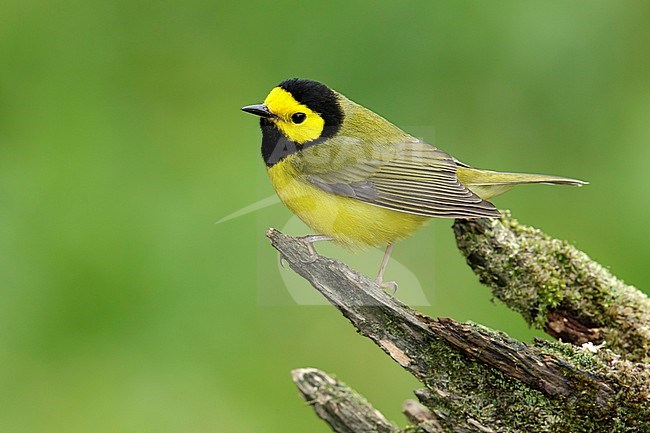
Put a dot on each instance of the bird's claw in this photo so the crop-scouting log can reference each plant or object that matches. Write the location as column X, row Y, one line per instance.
column 309, row 241
column 386, row 285
column 313, row 256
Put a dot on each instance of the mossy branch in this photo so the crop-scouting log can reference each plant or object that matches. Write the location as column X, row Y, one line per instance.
column 347, row 411
column 478, row 379
column 344, row 409
column 555, row 286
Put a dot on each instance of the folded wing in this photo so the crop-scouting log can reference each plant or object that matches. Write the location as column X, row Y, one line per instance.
column 412, row 177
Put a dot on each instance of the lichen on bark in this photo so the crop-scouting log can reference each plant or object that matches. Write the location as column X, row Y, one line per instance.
column 555, row 286
column 477, row 379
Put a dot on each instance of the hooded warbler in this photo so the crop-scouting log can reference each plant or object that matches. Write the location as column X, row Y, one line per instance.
column 359, row 180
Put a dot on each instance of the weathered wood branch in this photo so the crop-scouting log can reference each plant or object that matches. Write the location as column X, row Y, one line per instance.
column 478, row 379
column 421, row 417
column 556, row 287
column 347, row 411
column 344, row 409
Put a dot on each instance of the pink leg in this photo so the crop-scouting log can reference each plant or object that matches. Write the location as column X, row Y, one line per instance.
column 380, row 276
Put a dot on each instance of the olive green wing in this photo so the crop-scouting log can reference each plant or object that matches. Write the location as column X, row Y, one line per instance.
column 412, row 177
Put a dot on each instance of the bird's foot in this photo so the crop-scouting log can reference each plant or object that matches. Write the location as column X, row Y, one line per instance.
column 388, row 286
column 309, row 241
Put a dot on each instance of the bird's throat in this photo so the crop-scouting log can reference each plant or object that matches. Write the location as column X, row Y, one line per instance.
column 276, row 146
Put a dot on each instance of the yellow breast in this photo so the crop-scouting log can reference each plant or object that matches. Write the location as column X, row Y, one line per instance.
column 350, row 222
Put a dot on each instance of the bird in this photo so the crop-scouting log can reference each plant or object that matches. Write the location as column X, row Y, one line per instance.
column 360, row 181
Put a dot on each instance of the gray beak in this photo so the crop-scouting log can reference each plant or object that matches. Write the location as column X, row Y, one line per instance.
column 258, row 110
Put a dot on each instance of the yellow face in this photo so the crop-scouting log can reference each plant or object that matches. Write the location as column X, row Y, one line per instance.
column 296, row 121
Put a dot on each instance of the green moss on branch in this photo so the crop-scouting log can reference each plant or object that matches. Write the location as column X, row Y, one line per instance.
column 478, row 379
column 555, row 286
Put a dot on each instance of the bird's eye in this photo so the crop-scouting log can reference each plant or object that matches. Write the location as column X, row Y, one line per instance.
column 298, row 117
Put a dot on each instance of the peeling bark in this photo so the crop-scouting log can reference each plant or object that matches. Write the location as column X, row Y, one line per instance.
column 555, row 286
column 477, row 379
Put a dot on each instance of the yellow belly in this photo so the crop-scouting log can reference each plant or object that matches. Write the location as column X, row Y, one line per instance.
column 350, row 222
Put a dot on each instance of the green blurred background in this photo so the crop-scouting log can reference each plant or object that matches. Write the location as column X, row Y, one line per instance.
column 124, row 308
